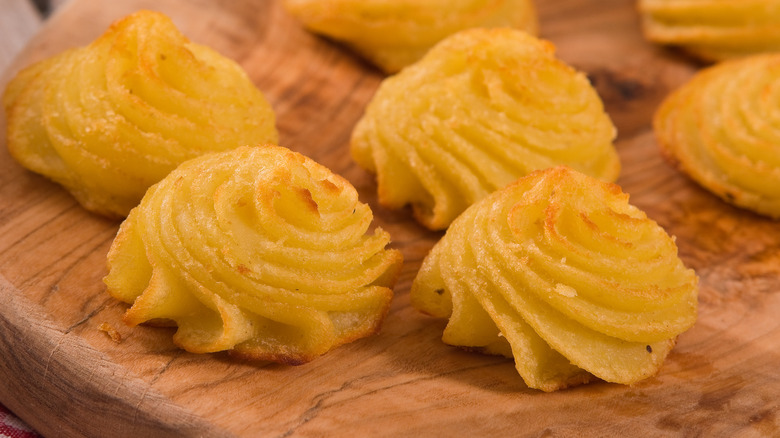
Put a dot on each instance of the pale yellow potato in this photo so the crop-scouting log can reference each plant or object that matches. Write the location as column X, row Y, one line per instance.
column 259, row 251
column 108, row 120
column 713, row 30
column 392, row 34
column 722, row 128
column 560, row 272
column 483, row 108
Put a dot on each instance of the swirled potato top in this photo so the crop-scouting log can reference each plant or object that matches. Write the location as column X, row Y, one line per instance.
column 258, row 250
column 395, row 33
column 108, row 120
column 561, row 272
column 483, row 108
column 723, row 129
column 714, row 30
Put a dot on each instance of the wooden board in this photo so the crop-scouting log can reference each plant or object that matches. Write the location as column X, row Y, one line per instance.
column 65, row 377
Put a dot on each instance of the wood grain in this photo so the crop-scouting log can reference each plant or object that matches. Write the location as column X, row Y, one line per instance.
column 66, row 377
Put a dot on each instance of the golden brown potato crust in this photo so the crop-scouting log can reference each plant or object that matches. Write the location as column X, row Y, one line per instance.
column 722, row 128
column 560, row 272
column 259, row 251
column 108, row 120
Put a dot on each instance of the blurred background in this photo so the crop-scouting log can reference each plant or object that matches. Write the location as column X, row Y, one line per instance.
column 19, row 21
column 45, row 7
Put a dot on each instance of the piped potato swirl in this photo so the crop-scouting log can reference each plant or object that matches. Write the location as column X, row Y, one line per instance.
column 483, row 108
column 722, row 128
column 259, row 251
column 108, row 120
column 560, row 272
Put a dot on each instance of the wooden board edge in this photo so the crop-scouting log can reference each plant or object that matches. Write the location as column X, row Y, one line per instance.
column 63, row 398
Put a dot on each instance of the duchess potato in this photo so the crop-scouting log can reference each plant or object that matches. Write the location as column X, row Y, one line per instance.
column 108, row 120
column 258, row 251
column 560, row 272
column 481, row 109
